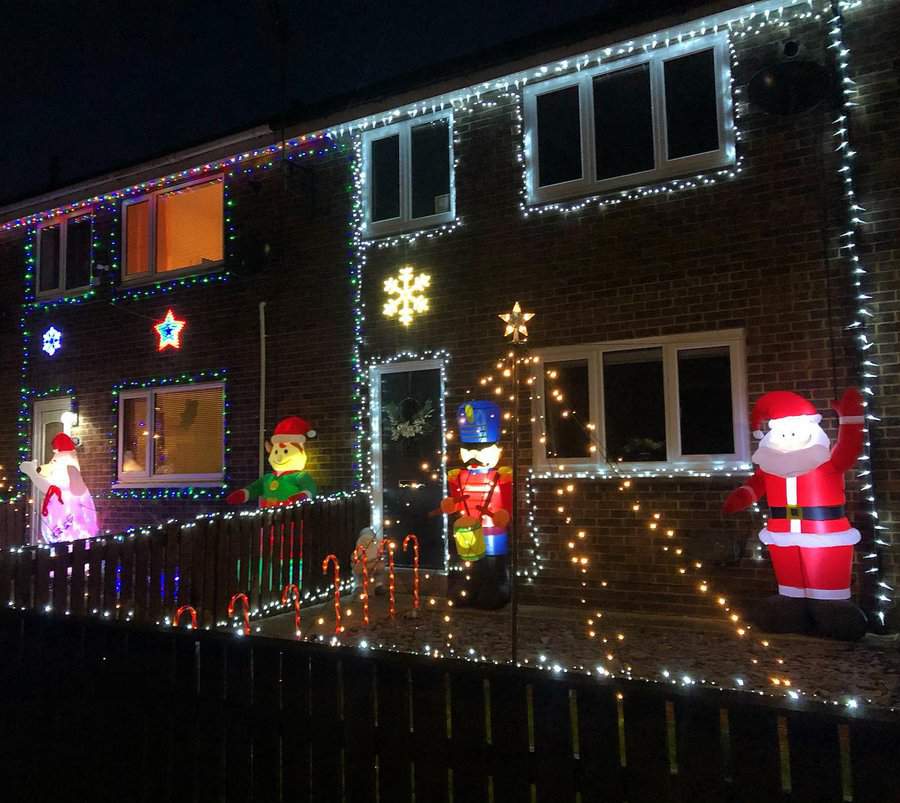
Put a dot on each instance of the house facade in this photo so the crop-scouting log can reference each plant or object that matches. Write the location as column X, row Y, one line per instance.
column 686, row 240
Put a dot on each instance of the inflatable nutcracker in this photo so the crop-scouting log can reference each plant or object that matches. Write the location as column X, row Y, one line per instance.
column 289, row 481
column 808, row 535
column 481, row 494
column 67, row 511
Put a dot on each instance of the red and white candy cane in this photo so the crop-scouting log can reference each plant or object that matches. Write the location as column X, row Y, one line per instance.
column 392, row 585
column 285, row 597
column 415, row 546
column 359, row 556
column 181, row 610
column 337, row 588
column 245, row 606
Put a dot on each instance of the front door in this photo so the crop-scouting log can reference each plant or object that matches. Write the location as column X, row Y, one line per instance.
column 50, row 417
column 408, row 475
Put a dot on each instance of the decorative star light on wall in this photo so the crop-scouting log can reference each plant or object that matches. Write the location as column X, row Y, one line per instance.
column 407, row 297
column 52, row 341
column 515, row 322
column 169, row 331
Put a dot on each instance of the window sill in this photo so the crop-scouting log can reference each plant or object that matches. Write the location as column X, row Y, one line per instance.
column 675, row 468
column 388, row 228
column 181, row 482
column 47, row 296
column 173, row 275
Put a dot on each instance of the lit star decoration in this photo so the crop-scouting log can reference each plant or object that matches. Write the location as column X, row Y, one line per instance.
column 52, row 341
column 515, row 322
column 169, row 331
column 409, row 300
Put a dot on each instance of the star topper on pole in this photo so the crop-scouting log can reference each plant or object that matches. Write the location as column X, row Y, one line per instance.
column 169, row 331
column 515, row 322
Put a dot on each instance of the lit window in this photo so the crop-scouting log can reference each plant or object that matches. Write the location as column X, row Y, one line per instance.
column 634, row 121
column 676, row 399
column 408, row 175
column 64, row 254
column 174, row 230
column 172, row 436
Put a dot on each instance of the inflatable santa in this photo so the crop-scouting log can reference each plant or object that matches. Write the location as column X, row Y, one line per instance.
column 67, row 510
column 808, row 535
column 289, row 481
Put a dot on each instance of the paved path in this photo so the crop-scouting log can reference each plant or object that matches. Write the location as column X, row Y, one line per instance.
column 693, row 651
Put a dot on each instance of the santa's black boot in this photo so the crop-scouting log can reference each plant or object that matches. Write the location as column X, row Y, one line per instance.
column 781, row 614
column 838, row 619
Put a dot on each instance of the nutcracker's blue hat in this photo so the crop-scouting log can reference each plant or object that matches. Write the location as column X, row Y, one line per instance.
column 479, row 422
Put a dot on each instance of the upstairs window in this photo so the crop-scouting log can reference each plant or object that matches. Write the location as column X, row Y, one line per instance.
column 408, row 175
column 64, row 254
column 176, row 229
column 172, row 436
column 679, row 399
column 642, row 119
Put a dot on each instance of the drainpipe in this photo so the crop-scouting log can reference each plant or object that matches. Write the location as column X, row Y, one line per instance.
column 262, row 387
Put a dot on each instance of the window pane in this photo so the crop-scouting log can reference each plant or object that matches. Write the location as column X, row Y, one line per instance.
column 189, row 226
column 559, row 136
column 384, row 167
column 137, row 238
column 635, row 405
column 49, row 255
column 135, row 433
column 691, row 107
column 78, row 252
column 704, row 395
column 623, row 122
column 188, row 437
column 430, row 146
column 567, row 410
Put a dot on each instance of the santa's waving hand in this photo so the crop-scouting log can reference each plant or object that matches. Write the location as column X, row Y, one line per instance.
column 809, row 537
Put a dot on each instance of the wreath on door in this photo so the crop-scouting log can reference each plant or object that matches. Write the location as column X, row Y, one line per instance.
column 409, row 419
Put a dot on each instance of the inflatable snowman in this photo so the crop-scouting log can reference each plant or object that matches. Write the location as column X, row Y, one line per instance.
column 67, row 512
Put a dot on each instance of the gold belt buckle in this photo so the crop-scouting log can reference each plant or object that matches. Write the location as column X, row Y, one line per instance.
column 794, row 512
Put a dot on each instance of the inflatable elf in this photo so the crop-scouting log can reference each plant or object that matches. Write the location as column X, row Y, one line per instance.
column 481, row 493
column 288, row 481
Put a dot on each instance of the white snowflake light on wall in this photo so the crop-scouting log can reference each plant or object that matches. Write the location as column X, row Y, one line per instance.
column 52, row 341
column 407, row 297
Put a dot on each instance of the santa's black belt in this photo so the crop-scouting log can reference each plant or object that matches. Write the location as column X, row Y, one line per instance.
column 812, row 513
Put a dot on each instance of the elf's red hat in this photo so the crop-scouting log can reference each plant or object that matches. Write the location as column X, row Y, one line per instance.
column 292, row 430
column 62, row 443
column 779, row 404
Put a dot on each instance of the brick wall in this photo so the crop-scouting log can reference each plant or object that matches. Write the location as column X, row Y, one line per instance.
column 748, row 253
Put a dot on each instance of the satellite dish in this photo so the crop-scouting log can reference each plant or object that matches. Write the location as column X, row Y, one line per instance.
column 789, row 87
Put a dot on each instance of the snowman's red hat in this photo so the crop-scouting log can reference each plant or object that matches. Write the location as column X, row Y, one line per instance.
column 292, row 430
column 779, row 404
column 62, row 443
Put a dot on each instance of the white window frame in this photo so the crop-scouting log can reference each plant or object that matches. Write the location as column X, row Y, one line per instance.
column 146, row 478
column 665, row 168
column 63, row 222
column 670, row 345
column 152, row 275
column 405, row 221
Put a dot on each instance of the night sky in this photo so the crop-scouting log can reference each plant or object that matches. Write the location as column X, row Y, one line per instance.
column 93, row 86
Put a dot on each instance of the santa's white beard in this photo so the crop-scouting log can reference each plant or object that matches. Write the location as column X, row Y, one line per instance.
column 795, row 463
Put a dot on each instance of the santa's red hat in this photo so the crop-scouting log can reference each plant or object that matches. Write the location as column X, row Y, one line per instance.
column 779, row 404
column 292, row 430
column 62, row 443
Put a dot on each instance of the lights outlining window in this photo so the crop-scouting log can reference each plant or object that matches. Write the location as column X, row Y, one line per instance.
column 174, row 230
column 64, row 254
column 679, row 399
column 640, row 119
column 407, row 175
column 172, row 436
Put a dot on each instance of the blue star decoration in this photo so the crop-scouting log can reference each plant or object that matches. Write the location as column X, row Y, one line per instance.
column 169, row 331
column 52, row 341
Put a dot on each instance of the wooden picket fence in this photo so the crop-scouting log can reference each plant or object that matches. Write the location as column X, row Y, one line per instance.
column 110, row 711
column 147, row 575
column 12, row 523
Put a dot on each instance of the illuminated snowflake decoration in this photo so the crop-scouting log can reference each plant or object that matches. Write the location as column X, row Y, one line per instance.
column 52, row 341
column 407, row 296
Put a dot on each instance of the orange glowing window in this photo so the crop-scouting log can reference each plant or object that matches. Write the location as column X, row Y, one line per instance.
column 176, row 229
column 189, row 226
